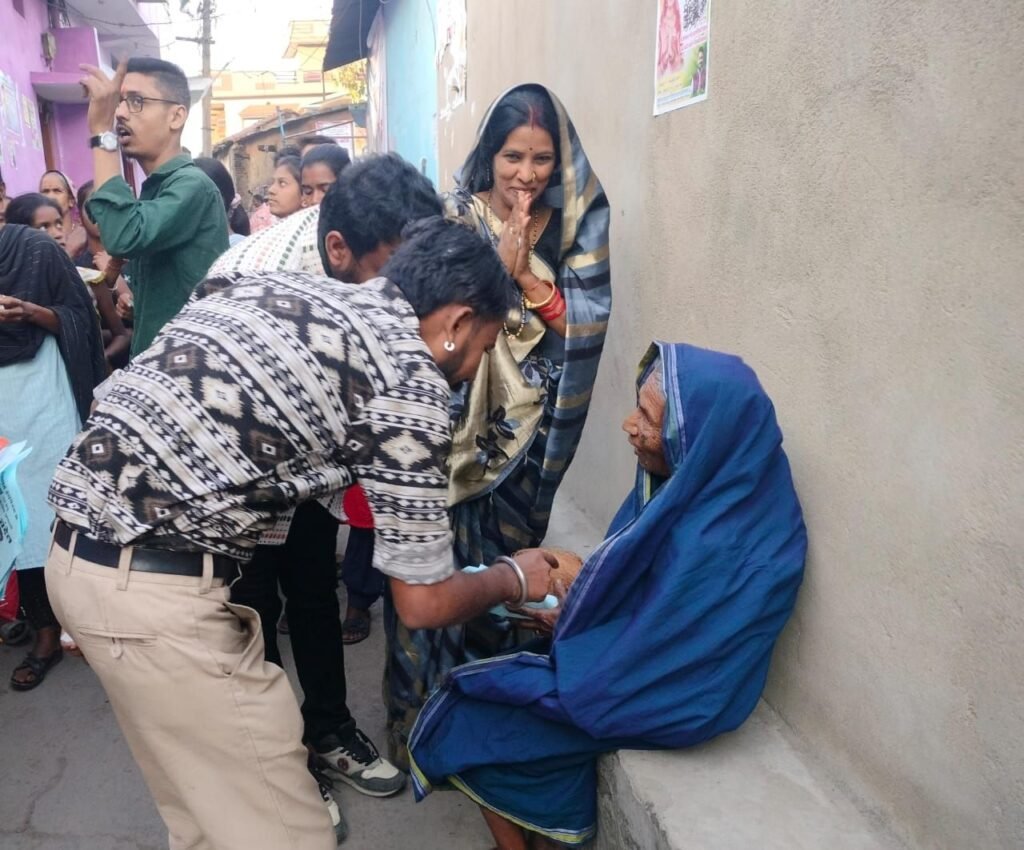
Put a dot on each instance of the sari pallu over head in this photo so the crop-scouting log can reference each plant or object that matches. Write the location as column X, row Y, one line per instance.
column 34, row 268
column 667, row 633
column 506, row 503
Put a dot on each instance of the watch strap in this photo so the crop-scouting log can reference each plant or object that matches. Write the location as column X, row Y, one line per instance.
column 97, row 142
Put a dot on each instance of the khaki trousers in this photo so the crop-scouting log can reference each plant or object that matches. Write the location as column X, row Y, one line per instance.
column 215, row 729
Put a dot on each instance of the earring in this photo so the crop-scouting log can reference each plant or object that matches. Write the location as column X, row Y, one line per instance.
column 449, row 346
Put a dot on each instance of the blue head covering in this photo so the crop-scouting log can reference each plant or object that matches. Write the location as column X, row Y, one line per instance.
column 667, row 633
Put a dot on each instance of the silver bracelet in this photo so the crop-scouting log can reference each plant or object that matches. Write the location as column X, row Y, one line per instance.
column 524, row 591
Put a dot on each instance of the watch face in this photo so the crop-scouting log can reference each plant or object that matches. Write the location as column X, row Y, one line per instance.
column 108, row 141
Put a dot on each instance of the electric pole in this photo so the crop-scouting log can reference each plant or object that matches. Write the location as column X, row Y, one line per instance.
column 204, row 41
column 208, row 97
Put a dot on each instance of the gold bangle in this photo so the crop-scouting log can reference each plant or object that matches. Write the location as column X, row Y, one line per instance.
column 537, row 305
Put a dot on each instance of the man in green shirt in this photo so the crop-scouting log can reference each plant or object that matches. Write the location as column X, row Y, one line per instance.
column 177, row 227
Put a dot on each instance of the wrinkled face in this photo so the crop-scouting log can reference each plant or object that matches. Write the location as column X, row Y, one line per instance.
column 148, row 132
column 53, row 186
column 479, row 338
column 523, row 164
column 51, row 222
column 284, row 195
column 316, row 180
column 644, row 429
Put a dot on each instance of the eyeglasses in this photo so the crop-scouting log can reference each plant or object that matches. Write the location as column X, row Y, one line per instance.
column 137, row 101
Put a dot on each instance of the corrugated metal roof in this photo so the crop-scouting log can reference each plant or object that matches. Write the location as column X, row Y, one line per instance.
column 350, row 24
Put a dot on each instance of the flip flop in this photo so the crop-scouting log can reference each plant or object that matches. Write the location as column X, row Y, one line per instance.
column 39, row 667
column 355, row 630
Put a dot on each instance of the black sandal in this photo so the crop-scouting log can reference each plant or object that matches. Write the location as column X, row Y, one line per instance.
column 38, row 667
column 355, row 629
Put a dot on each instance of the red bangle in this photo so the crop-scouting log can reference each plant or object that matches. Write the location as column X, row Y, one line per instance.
column 554, row 309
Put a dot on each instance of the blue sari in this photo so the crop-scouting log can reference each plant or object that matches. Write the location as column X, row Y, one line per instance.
column 666, row 635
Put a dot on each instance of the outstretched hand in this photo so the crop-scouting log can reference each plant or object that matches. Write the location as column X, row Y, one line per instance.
column 544, row 620
column 104, row 95
column 536, row 565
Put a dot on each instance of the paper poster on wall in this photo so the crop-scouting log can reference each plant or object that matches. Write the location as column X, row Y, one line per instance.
column 10, row 109
column 377, row 87
column 451, row 52
column 30, row 122
column 681, row 54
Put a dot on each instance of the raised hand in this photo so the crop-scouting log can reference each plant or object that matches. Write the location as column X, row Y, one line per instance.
column 104, row 95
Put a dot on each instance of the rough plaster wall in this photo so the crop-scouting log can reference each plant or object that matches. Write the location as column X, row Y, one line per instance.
column 845, row 212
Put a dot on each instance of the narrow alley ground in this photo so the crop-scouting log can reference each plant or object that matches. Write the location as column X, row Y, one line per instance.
column 71, row 784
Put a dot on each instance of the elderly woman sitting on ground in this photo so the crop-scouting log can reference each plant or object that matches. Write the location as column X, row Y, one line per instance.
column 665, row 637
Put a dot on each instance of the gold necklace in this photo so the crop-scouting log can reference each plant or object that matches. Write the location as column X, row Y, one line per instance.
column 522, row 318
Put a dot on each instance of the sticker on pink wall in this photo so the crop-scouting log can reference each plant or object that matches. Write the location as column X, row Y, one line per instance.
column 30, row 123
column 10, row 109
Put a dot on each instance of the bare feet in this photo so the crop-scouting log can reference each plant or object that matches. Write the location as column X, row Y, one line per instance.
column 508, row 835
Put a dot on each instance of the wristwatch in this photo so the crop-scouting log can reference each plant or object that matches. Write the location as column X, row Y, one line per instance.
column 106, row 141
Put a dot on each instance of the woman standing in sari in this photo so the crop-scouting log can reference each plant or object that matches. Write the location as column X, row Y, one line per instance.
column 528, row 187
column 667, row 633
column 51, row 357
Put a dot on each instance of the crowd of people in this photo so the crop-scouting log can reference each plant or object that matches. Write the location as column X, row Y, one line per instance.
column 209, row 395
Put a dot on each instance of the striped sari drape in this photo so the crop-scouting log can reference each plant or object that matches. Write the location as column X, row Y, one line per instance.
column 513, row 511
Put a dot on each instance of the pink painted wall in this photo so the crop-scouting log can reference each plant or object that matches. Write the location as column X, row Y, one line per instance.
column 75, row 45
column 21, row 54
column 73, row 141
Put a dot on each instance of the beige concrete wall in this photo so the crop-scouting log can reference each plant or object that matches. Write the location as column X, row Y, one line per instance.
column 845, row 211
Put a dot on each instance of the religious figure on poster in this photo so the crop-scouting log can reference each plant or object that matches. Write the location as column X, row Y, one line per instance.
column 670, row 37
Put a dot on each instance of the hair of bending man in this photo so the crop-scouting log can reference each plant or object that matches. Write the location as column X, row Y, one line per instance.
column 441, row 262
column 373, row 201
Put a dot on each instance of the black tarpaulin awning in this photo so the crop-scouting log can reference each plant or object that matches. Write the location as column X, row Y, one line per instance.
column 350, row 24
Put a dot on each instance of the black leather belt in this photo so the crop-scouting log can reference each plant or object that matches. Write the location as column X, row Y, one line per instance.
column 143, row 560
